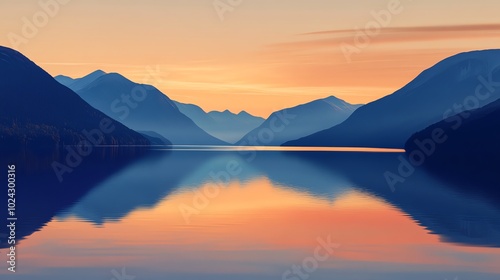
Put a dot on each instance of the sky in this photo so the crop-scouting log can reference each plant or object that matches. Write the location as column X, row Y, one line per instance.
column 254, row 55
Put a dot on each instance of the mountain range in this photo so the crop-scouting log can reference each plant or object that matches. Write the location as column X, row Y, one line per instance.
column 293, row 123
column 138, row 106
column 430, row 97
column 54, row 112
column 224, row 125
column 38, row 112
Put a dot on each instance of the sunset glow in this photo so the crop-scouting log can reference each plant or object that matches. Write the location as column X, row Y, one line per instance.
column 259, row 53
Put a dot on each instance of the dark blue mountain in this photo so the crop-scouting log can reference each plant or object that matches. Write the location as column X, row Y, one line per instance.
column 293, row 123
column 390, row 121
column 467, row 144
column 225, row 125
column 140, row 107
column 38, row 112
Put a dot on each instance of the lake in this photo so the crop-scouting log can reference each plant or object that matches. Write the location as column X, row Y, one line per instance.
column 250, row 214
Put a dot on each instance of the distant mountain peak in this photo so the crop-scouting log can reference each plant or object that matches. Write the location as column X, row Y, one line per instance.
column 92, row 75
column 333, row 98
column 336, row 100
column 114, row 75
column 112, row 78
column 96, row 74
column 304, row 119
column 225, row 112
column 99, row 72
column 79, row 83
column 63, row 77
column 224, row 125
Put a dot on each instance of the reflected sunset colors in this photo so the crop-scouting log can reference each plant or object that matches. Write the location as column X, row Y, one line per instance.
column 254, row 226
column 173, row 211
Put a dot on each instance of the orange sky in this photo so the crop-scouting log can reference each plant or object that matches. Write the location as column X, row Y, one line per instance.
column 263, row 56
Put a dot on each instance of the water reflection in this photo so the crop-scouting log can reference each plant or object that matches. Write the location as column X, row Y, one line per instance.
column 39, row 193
column 452, row 213
column 268, row 211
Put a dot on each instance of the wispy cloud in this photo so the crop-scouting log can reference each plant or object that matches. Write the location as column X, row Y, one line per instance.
column 333, row 38
column 420, row 29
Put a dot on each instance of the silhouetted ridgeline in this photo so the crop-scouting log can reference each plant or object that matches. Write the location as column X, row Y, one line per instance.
column 139, row 106
column 469, row 150
column 38, row 112
column 226, row 125
column 299, row 121
column 391, row 120
column 471, row 138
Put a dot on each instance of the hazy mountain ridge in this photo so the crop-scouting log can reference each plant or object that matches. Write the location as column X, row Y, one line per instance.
column 143, row 108
column 225, row 125
column 299, row 121
column 79, row 83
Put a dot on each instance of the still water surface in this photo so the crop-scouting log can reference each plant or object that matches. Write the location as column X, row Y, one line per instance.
column 253, row 215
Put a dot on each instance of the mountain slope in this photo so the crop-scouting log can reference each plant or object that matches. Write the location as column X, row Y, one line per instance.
column 223, row 125
column 465, row 148
column 293, row 123
column 143, row 108
column 36, row 111
column 390, row 121
column 471, row 138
